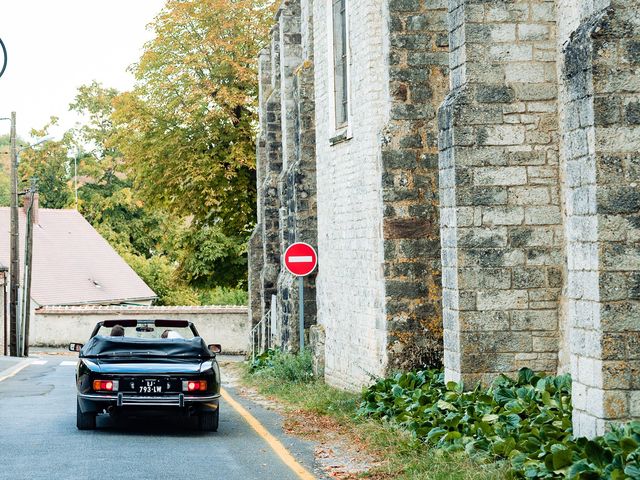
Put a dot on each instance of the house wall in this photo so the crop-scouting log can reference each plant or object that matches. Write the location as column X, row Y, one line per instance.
column 286, row 175
column 520, row 227
column 58, row 326
column 350, row 283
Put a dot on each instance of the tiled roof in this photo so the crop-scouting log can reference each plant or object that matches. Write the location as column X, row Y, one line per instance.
column 72, row 263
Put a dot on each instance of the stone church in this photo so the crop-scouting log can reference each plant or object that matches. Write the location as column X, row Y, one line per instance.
column 469, row 173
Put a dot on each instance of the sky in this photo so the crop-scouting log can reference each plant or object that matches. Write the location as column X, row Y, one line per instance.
column 55, row 46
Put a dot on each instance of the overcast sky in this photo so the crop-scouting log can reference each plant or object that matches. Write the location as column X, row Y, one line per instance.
column 57, row 45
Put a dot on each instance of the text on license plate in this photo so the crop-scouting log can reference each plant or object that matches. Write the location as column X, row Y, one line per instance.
column 150, row 386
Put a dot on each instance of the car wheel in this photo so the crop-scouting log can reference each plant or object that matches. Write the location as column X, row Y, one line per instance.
column 85, row 421
column 208, row 421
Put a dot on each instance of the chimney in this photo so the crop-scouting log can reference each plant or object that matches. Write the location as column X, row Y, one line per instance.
column 28, row 198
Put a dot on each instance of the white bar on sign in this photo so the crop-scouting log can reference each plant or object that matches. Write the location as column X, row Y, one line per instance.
column 301, row 259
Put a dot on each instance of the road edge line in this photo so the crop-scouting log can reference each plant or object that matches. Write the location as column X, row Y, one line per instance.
column 273, row 442
column 14, row 370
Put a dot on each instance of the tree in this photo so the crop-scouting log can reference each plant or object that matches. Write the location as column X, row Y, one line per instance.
column 187, row 129
column 50, row 163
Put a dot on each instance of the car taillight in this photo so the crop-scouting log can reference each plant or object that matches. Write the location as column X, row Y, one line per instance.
column 105, row 385
column 194, row 385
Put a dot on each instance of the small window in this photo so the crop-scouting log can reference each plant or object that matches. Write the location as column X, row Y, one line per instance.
column 340, row 61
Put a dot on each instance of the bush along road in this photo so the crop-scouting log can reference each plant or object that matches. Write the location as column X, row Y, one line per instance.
column 515, row 428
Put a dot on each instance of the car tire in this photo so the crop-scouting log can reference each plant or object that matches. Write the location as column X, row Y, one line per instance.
column 85, row 421
column 208, row 421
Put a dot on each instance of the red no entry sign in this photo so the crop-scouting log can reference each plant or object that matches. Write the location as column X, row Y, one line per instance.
column 300, row 259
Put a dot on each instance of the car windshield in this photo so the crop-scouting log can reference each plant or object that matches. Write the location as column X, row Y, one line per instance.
column 147, row 330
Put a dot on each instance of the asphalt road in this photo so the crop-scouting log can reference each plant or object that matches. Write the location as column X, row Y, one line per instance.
column 39, row 439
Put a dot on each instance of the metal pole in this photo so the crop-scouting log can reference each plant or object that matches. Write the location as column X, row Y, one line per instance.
column 14, row 282
column 301, row 310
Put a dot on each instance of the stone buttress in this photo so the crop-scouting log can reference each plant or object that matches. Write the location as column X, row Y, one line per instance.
column 500, row 216
column 601, row 145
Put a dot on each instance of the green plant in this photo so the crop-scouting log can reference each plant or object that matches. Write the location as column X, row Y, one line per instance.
column 224, row 296
column 284, row 366
column 526, row 421
column 616, row 455
column 264, row 360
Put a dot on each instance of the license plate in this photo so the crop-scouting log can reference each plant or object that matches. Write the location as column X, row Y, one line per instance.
column 151, row 386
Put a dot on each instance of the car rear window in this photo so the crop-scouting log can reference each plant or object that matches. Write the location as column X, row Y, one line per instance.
column 149, row 330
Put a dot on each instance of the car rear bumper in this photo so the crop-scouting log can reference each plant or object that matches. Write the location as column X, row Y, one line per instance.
column 99, row 402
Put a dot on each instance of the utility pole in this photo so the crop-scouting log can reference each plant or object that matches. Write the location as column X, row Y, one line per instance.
column 32, row 200
column 14, row 282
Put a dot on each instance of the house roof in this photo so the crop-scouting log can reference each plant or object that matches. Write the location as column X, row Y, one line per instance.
column 72, row 263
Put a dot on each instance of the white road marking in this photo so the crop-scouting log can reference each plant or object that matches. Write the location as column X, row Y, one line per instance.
column 39, row 362
column 67, row 363
column 301, row 259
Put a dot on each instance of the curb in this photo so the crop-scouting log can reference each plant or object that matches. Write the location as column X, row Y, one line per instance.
column 11, row 371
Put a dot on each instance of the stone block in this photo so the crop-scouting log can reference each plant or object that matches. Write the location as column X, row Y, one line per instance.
column 478, row 237
column 543, row 215
column 502, row 300
column 545, row 320
column 502, row 135
column 616, row 405
column 524, row 73
column 530, row 277
column 529, row 196
column 483, row 321
column 533, row 31
column 500, row 176
column 489, row 278
column 500, row 215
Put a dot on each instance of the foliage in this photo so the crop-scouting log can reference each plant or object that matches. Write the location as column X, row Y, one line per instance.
column 159, row 274
column 224, row 296
column 49, row 163
column 210, row 257
column 284, row 366
column 187, row 129
column 201, row 264
column 616, row 455
column 5, row 188
column 526, row 421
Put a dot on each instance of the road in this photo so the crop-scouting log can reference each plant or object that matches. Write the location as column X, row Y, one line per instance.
column 39, row 439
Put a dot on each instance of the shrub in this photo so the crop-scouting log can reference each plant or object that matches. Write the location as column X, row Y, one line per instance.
column 284, row 366
column 526, row 421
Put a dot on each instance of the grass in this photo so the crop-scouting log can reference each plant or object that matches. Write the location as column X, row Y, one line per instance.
column 287, row 378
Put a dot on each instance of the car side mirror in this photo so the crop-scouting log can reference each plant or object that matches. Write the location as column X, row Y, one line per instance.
column 75, row 347
column 215, row 347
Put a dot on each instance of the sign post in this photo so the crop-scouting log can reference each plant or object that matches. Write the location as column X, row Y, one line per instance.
column 300, row 259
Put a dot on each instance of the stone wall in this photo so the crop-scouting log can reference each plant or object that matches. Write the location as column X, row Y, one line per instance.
column 418, row 82
column 514, row 217
column 286, row 171
column 350, row 282
column 59, row 326
column 601, row 141
column 499, row 188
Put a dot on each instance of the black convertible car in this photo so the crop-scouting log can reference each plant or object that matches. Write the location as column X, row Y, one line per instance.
column 135, row 367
